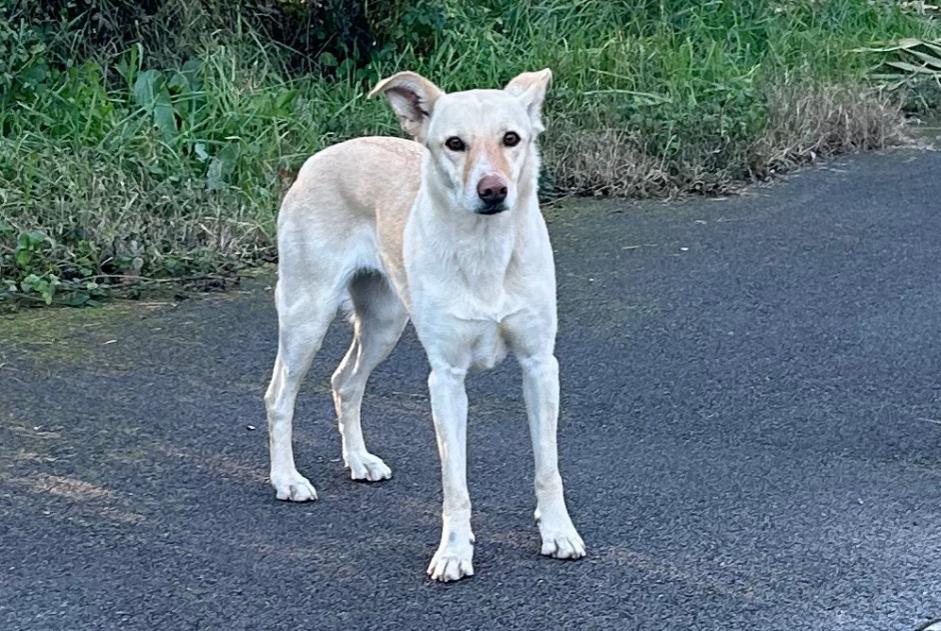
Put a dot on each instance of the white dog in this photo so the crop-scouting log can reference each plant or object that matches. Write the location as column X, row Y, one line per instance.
column 446, row 230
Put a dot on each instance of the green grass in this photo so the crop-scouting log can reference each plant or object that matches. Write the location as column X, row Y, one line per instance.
column 163, row 159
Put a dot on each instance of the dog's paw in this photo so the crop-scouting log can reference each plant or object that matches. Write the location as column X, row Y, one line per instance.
column 452, row 562
column 293, row 487
column 367, row 467
column 560, row 540
column 563, row 545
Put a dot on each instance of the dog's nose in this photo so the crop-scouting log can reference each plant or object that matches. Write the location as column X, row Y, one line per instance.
column 491, row 190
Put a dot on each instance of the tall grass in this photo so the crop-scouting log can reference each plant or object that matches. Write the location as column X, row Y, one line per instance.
column 161, row 157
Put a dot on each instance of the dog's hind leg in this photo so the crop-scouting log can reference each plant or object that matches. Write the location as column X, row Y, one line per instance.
column 304, row 313
column 378, row 320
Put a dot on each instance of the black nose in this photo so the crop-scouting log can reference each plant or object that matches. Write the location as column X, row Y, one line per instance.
column 491, row 190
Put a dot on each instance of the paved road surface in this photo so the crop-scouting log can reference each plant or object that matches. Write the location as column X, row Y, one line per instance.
column 751, row 437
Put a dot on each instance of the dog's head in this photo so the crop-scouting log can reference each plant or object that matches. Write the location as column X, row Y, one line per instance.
column 482, row 142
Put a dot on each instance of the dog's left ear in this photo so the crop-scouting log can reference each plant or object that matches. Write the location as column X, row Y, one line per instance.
column 412, row 97
column 530, row 88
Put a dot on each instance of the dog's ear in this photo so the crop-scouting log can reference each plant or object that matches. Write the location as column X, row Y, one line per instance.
column 530, row 88
column 412, row 97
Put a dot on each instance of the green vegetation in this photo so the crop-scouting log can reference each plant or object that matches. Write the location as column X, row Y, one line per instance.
column 149, row 140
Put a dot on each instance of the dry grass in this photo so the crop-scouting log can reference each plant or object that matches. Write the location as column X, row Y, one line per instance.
column 803, row 124
column 806, row 124
column 602, row 162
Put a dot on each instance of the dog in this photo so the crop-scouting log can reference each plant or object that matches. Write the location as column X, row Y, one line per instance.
column 444, row 230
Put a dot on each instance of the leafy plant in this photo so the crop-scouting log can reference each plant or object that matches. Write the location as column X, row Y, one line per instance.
column 906, row 60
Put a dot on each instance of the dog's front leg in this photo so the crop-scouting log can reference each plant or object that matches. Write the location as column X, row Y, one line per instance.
column 455, row 555
column 541, row 392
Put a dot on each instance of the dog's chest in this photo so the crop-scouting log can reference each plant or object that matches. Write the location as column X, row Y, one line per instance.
column 479, row 319
column 464, row 292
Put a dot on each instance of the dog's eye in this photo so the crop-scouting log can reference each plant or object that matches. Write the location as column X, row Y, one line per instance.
column 454, row 144
column 511, row 139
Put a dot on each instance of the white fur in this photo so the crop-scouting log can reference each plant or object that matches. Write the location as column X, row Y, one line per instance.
column 393, row 227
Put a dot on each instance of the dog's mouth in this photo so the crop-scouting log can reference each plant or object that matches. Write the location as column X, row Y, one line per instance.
column 491, row 209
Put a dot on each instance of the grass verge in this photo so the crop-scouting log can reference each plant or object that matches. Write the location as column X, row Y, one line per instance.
column 159, row 156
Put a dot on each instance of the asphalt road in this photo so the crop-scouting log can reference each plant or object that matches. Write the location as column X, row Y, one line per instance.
column 751, row 439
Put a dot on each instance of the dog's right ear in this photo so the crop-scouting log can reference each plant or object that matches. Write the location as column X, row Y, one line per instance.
column 412, row 97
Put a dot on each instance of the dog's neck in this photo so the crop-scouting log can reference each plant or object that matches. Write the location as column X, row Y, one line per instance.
column 479, row 247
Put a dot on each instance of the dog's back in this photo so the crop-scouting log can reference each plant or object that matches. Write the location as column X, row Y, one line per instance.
column 352, row 180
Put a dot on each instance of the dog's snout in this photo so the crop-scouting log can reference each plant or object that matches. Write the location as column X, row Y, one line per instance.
column 491, row 189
